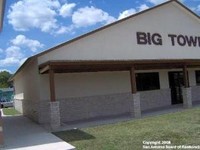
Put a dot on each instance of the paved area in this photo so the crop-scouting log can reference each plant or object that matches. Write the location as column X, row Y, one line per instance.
column 163, row 110
column 21, row 133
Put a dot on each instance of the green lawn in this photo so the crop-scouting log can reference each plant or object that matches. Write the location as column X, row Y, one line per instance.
column 10, row 111
column 181, row 128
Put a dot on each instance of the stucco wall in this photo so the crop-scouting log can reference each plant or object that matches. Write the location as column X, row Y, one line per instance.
column 119, row 42
column 102, row 89
column 18, row 103
column 99, row 94
column 195, row 93
column 192, row 77
column 86, row 84
column 93, row 83
column 164, row 79
column 77, row 90
column 26, row 84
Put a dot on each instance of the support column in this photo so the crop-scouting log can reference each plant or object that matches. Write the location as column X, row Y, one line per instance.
column 187, row 97
column 54, row 105
column 186, row 91
column 52, row 86
column 55, row 115
column 185, row 77
column 135, row 108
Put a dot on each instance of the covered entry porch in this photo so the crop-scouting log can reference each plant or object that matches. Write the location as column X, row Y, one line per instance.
column 133, row 103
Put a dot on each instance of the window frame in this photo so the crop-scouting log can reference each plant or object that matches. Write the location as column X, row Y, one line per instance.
column 142, row 81
column 196, row 78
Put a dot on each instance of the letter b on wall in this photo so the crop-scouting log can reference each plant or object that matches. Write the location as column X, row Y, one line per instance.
column 148, row 38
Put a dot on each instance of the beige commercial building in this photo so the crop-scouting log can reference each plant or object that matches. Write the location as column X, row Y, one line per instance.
column 146, row 61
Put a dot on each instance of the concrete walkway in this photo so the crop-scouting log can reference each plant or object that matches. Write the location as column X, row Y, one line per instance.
column 22, row 134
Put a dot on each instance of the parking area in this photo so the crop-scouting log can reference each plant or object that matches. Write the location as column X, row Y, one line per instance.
column 21, row 133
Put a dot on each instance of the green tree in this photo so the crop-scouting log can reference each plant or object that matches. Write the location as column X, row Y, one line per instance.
column 4, row 76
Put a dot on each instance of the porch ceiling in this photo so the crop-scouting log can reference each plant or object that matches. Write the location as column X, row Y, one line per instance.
column 60, row 66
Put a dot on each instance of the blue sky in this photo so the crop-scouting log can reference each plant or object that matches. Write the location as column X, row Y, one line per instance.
column 33, row 26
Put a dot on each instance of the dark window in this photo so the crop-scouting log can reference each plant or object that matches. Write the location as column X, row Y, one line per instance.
column 147, row 81
column 197, row 73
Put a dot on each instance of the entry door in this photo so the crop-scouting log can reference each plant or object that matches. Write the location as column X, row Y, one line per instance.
column 176, row 83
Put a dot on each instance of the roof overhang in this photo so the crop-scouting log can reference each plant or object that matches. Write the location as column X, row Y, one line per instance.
column 115, row 65
column 81, row 66
column 2, row 7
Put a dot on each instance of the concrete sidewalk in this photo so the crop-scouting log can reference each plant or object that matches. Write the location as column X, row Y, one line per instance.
column 21, row 133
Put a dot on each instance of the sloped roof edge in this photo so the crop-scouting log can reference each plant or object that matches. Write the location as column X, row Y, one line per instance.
column 102, row 28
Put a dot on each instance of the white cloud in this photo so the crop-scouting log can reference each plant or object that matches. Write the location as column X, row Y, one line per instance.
column 155, row 2
column 198, row 8
column 132, row 11
column 26, row 14
column 126, row 13
column 63, row 29
column 66, row 9
column 9, row 61
column 14, row 51
column 1, row 50
column 143, row 7
column 195, row 8
column 22, row 41
column 88, row 16
column 13, row 56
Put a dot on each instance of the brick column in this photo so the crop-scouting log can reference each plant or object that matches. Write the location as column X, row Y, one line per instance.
column 55, row 114
column 1, row 131
column 187, row 97
column 135, row 108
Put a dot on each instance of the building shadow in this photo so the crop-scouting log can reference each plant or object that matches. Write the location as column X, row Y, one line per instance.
column 73, row 135
column 22, row 133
